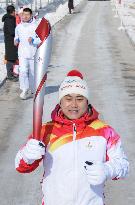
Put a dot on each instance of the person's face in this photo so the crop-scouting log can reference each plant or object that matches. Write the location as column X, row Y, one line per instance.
column 13, row 13
column 74, row 106
column 26, row 16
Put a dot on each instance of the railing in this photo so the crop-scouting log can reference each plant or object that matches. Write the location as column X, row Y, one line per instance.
column 33, row 4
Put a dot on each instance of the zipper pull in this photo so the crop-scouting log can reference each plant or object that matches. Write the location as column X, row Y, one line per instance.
column 74, row 131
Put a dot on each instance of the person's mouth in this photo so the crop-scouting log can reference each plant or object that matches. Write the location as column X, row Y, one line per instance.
column 73, row 111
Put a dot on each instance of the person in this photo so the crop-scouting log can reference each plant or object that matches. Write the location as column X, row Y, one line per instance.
column 19, row 15
column 79, row 151
column 9, row 33
column 24, row 39
column 70, row 5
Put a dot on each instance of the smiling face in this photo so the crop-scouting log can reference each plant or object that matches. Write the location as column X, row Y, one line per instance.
column 74, row 106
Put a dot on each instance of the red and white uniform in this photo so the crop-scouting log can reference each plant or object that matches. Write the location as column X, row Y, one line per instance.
column 69, row 144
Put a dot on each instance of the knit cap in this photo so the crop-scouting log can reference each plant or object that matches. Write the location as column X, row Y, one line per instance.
column 73, row 83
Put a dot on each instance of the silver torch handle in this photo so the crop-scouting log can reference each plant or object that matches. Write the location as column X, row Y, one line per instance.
column 42, row 60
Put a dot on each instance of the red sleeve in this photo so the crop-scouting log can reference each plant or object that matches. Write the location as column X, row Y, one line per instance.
column 27, row 168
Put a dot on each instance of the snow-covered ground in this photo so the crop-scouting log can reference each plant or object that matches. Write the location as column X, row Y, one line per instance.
column 125, row 10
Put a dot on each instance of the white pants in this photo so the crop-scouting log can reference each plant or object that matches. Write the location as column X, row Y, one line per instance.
column 26, row 74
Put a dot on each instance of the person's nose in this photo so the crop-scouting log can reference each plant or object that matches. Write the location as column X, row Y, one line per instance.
column 74, row 103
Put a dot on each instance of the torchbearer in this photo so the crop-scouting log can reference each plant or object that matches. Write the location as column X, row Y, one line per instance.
column 80, row 151
column 25, row 41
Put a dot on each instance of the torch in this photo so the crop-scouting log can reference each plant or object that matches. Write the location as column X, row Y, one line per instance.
column 42, row 59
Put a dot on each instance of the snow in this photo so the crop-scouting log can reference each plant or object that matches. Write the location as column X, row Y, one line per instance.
column 125, row 10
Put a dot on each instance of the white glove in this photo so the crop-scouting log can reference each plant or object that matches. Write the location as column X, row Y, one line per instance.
column 33, row 150
column 97, row 173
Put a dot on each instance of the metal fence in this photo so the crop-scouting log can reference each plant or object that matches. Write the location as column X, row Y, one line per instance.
column 33, row 4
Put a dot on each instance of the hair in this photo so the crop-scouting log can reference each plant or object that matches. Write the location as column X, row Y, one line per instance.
column 27, row 10
column 10, row 9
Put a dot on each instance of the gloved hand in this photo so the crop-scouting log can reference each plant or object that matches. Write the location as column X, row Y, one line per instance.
column 97, row 173
column 33, row 150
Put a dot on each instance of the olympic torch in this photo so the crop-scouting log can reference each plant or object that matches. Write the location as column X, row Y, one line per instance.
column 42, row 59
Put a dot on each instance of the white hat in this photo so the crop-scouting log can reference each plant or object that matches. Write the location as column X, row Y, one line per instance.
column 73, row 83
column 20, row 11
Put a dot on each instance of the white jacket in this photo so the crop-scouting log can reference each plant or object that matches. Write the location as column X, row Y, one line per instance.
column 23, row 31
column 68, row 146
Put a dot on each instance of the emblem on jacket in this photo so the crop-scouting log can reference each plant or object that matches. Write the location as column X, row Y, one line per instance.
column 89, row 145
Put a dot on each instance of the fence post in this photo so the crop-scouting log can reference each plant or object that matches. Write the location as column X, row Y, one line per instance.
column 35, row 5
column 6, row 3
column 16, row 5
column 40, row 4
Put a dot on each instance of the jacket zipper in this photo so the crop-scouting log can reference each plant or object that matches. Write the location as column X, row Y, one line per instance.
column 75, row 163
column 74, row 131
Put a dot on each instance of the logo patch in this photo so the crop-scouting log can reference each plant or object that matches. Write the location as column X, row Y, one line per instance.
column 89, row 145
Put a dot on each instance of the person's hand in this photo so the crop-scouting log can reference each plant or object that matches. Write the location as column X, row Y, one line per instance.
column 30, row 39
column 33, row 150
column 96, row 173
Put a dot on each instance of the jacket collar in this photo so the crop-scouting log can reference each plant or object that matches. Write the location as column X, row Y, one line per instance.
column 58, row 116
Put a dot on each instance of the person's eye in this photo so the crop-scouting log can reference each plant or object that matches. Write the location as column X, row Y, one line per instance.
column 68, row 99
column 80, row 99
